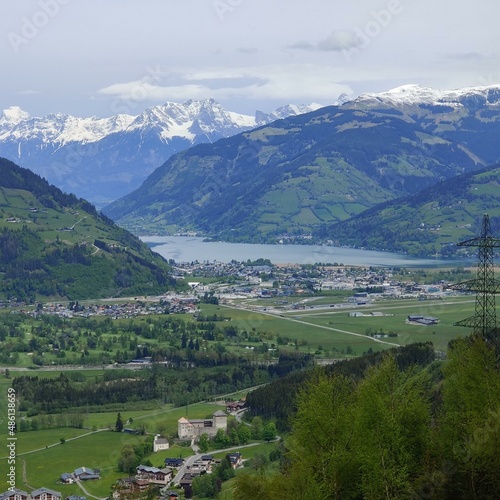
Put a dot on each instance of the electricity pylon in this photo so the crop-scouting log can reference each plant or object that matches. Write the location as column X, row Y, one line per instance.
column 484, row 321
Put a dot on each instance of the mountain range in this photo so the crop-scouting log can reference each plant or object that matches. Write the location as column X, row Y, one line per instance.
column 54, row 245
column 303, row 173
column 102, row 159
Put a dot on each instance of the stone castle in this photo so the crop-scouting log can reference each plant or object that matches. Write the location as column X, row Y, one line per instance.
column 193, row 429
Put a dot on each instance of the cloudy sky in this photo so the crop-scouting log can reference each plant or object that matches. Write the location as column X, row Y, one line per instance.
column 101, row 57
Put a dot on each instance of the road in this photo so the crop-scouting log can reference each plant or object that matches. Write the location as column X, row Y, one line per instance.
column 190, row 460
column 79, row 483
column 365, row 337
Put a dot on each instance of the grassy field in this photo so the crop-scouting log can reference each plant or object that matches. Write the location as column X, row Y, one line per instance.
column 320, row 327
column 45, row 458
column 331, row 330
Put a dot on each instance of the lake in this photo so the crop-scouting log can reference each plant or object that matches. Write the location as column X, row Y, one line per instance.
column 189, row 249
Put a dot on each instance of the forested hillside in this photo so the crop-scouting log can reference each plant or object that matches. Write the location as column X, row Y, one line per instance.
column 55, row 245
column 429, row 222
column 428, row 429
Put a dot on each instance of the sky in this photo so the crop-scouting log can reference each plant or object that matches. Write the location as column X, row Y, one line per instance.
column 104, row 57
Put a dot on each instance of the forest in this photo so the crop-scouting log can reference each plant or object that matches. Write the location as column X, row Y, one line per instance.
column 390, row 427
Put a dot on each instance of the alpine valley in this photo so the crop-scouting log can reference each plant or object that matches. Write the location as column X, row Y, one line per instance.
column 298, row 176
column 101, row 159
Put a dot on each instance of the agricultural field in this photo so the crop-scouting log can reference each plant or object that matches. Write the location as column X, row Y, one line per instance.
column 321, row 330
column 43, row 457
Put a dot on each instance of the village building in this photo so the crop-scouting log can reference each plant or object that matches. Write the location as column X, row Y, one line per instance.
column 160, row 443
column 44, row 494
column 193, row 429
column 153, row 475
column 422, row 320
column 174, row 462
column 235, row 459
column 14, row 494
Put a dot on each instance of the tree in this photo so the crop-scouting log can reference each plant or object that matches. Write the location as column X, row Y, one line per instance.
column 128, row 459
column 119, row 423
column 322, row 461
column 244, row 433
column 221, row 439
column 269, row 432
column 471, row 418
column 392, row 429
column 204, row 442
column 206, row 486
column 225, row 470
column 235, row 438
column 257, row 427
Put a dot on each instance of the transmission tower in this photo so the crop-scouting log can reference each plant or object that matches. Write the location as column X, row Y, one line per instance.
column 484, row 321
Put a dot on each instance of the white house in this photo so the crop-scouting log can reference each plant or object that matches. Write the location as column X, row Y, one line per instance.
column 160, row 443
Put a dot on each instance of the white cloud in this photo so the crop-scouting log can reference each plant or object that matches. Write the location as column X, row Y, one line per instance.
column 337, row 41
column 294, row 82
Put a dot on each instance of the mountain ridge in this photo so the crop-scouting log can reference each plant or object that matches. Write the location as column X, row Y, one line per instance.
column 288, row 178
column 104, row 158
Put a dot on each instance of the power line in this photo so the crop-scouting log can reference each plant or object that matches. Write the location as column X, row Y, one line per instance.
column 484, row 321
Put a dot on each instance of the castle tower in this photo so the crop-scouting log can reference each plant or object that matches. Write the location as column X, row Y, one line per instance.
column 184, row 428
column 220, row 420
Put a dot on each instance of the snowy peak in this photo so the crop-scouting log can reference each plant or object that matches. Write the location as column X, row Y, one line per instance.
column 418, row 95
column 124, row 149
column 58, row 128
column 13, row 115
column 190, row 119
column 262, row 118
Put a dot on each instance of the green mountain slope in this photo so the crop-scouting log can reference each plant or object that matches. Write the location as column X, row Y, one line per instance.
column 55, row 245
column 429, row 222
column 294, row 175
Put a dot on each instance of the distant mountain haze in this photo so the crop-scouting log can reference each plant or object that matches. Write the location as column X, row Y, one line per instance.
column 102, row 159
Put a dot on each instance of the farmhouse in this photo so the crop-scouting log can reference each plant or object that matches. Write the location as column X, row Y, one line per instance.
column 192, row 429
column 153, row 475
column 86, row 474
column 235, row 406
column 67, row 478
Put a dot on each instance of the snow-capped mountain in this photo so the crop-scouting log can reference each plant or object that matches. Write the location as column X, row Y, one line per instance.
column 333, row 163
column 102, row 159
column 418, row 95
